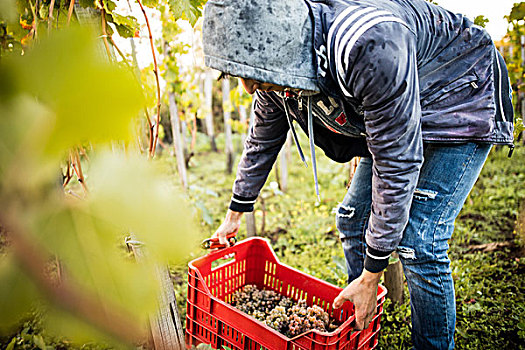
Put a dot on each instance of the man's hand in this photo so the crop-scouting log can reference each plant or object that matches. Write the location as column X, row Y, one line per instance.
column 231, row 223
column 363, row 293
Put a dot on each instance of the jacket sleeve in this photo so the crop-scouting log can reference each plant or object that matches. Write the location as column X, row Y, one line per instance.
column 380, row 69
column 266, row 138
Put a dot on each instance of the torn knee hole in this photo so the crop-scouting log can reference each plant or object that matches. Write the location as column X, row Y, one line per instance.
column 424, row 195
column 406, row 253
column 345, row 212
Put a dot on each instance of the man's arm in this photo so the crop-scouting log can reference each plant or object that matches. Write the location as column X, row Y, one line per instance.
column 261, row 148
column 265, row 140
column 379, row 68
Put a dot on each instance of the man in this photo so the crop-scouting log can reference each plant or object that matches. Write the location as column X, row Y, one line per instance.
column 419, row 92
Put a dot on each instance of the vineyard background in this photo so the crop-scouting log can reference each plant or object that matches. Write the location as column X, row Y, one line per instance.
column 68, row 97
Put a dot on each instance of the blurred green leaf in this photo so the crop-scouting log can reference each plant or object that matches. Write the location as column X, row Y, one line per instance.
column 59, row 94
column 64, row 72
column 7, row 10
column 149, row 207
column 11, row 344
column 39, row 341
column 17, row 295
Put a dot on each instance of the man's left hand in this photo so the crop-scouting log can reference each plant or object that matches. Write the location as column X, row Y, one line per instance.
column 363, row 293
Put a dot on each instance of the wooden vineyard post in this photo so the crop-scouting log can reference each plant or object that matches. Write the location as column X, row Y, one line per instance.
column 166, row 326
column 520, row 227
column 243, row 117
column 251, row 230
column 208, row 90
column 228, row 143
column 284, row 158
column 394, row 280
column 177, row 139
column 352, row 168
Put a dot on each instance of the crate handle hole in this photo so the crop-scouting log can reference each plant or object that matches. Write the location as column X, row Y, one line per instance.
column 224, row 260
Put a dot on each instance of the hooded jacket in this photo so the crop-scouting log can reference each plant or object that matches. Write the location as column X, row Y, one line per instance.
column 392, row 74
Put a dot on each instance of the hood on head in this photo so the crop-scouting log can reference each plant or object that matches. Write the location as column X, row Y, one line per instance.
column 265, row 40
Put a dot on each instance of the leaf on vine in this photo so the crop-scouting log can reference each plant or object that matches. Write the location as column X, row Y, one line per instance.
column 12, row 344
column 109, row 6
column 39, row 341
column 150, row 3
column 87, row 3
column 186, row 9
column 517, row 13
column 126, row 25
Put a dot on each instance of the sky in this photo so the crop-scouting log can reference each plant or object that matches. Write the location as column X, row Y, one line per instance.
column 494, row 10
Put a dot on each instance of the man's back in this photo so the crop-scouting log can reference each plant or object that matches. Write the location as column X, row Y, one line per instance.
column 452, row 57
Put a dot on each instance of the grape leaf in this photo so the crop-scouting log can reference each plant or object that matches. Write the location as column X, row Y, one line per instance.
column 109, row 6
column 39, row 341
column 86, row 3
column 126, row 25
column 150, row 3
column 186, row 9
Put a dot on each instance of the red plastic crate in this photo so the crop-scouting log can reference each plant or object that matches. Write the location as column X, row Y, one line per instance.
column 211, row 319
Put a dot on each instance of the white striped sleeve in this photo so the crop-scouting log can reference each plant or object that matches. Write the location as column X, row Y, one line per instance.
column 346, row 29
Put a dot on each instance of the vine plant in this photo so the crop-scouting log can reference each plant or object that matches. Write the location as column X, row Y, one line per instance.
column 57, row 93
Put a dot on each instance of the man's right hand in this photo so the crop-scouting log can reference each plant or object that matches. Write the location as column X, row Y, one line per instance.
column 231, row 223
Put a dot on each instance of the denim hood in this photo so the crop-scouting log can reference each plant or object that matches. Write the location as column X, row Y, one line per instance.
column 265, row 40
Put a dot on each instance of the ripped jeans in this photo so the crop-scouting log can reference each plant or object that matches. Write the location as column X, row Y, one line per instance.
column 447, row 176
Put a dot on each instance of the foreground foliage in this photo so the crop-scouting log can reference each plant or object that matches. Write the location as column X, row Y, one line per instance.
column 63, row 249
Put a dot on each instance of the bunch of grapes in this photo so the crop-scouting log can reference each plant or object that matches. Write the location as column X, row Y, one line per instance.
column 244, row 300
column 302, row 318
column 286, row 302
column 280, row 313
column 268, row 300
column 277, row 319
